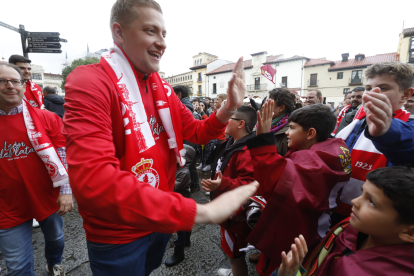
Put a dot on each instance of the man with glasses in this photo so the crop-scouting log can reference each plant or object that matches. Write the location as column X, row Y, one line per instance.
column 33, row 92
column 32, row 167
column 313, row 97
column 356, row 102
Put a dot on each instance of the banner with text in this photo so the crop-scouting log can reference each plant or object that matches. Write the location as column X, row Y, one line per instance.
column 268, row 72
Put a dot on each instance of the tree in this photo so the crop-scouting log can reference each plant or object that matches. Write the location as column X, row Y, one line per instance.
column 76, row 63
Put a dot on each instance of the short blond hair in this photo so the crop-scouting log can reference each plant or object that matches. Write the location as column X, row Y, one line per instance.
column 222, row 96
column 402, row 73
column 123, row 13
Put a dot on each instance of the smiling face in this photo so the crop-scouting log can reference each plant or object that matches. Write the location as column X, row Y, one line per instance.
column 388, row 87
column 311, row 98
column 356, row 99
column 10, row 96
column 373, row 213
column 143, row 40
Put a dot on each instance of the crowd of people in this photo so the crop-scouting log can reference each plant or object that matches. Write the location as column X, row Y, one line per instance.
column 316, row 190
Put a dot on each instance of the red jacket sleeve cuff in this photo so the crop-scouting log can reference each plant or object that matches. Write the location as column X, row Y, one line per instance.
column 190, row 207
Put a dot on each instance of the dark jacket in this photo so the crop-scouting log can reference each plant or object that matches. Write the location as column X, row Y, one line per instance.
column 54, row 103
column 187, row 103
column 281, row 140
column 348, row 118
column 183, row 178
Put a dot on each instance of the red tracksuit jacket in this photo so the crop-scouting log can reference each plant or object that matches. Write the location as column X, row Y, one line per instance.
column 299, row 189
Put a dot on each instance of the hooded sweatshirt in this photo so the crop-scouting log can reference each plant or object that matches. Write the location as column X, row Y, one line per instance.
column 54, row 103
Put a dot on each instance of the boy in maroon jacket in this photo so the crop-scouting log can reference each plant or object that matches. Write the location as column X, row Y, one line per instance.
column 301, row 187
column 233, row 168
column 378, row 238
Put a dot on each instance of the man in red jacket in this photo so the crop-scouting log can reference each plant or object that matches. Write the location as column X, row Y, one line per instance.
column 125, row 129
column 33, row 92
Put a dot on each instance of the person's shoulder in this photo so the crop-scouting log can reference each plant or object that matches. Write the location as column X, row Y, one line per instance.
column 46, row 116
column 87, row 73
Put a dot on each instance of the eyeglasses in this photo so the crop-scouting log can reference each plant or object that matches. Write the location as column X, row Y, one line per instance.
column 247, row 128
column 13, row 82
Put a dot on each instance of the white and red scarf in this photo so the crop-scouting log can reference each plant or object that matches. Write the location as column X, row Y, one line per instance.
column 364, row 156
column 43, row 146
column 34, row 95
column 341, row 115
column 142, row 156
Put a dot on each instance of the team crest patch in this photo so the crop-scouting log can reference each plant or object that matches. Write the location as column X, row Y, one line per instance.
column 51, row 167
column 145, row 173
column 346, row 160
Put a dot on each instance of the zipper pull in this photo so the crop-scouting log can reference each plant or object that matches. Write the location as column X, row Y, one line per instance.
column 145, row 80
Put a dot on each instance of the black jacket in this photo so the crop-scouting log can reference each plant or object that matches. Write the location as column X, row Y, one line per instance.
column 55, row 103
column 187, row 103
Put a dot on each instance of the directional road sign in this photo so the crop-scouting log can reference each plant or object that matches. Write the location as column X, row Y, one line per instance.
column 43, row 39
column 42, row 34
column 44, row 45
column 47, row 51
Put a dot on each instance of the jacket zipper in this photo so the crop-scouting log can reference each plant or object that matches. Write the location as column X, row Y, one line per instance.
column 145, row 80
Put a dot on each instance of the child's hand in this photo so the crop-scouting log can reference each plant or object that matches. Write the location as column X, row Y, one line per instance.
column 292, row 261
column 212, row 185
column 264, row 121
column 379, row 112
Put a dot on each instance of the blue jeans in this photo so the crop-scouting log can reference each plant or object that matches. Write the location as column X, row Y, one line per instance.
column 16, row 245
column 138, row 258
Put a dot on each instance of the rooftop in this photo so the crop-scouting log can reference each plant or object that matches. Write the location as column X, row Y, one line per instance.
column 318, row 61
column 408, row 32
column 276, row 59
column 365, row 62
column 202, row 65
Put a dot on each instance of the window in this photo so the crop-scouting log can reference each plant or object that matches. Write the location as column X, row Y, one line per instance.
column 214, row 77
column 199, row 89
column 356, row 76
column 201, row 60
column 37, row 76
column 313, row 80
column 257, row 83
column 340, row 75
column 195, row 62
column 199, row 76
column 214, row 88
column 411, row 51
column 346, row 90
column 284, row 82
column 358, row 58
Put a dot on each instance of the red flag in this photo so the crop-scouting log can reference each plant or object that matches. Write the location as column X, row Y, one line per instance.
column 268, row 72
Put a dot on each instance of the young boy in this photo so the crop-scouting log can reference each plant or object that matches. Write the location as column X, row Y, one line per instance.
column 378, row 238
column 232, row 168
column 299, row 188
column 379, row 136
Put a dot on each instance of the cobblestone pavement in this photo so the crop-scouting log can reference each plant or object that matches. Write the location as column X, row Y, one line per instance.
column 204, row 256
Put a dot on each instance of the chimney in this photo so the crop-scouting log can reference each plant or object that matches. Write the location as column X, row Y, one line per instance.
column 345, row 57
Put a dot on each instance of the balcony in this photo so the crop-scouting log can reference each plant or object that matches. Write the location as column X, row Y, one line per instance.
column 313, row 83
column 356, row 81
column 283, row 84
column 257, row 87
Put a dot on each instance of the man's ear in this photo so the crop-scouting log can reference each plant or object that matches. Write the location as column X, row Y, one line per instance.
column 311, row 133
column 407, row 93
column 117, row 33
column 407, row 234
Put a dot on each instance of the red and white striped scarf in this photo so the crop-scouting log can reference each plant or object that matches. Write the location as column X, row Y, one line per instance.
column 34, row 95
column 364, row 156
column 341, row 115
column 43, row 146
column 142, row 156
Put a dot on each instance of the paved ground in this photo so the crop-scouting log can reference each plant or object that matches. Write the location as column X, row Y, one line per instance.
column 204, row 256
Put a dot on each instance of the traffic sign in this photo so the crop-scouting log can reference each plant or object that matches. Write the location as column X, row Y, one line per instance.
column 43, row 39
column 62, row 40
column 42, row 34
column 45, row 45
column 47, row 51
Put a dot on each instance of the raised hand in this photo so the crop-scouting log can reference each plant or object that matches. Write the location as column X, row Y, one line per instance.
column 379, row 112
column 292, row 261
column 237, row 87
column 264, row 120
column 212, row 185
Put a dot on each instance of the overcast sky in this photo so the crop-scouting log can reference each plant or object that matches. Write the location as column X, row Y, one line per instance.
column 226, row 28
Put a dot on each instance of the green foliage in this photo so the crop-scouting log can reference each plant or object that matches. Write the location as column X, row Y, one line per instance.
column 76, row 63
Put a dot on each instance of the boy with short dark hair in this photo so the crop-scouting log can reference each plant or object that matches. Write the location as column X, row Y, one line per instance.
column 379, row 135
column 300, row 188
column 378, row 238
column 232, row 168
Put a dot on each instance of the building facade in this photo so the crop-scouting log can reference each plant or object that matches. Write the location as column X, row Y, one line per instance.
column 47, row 79
column 406, row 46
column 335, row 78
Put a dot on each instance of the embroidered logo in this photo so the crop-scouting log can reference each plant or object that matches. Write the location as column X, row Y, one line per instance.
column 145, row 173
column 154, row 86
column 51, row 167
column 345, row 160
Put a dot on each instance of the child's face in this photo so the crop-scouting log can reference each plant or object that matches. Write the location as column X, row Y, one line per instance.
column 373, row 213
column 389, row 88
column 296, row 136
